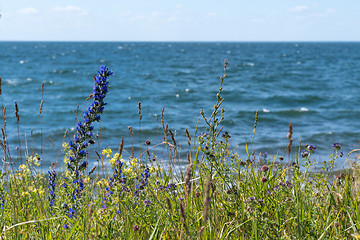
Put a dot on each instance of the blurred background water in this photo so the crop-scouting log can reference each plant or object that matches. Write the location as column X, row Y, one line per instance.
column 315, row 86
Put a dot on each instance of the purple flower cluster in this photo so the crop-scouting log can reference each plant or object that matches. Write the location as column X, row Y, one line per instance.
column 253, row 199
column 51, row 187
column 84, row 130
column 116, row 177
column 82, row 139
column 144, row 179
column 2, row 198
column 336, row 146
column 147, row 202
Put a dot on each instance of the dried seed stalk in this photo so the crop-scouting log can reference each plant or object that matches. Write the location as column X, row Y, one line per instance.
column 188, row 174
column 207, row 199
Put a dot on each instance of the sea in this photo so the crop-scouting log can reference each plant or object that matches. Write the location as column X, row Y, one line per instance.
column 315, row 86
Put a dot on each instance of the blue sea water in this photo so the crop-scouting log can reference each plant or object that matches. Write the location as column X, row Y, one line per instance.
column 315, row 86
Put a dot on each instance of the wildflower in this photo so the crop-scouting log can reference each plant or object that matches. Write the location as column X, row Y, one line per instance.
column 304, row 154
column 23, row 167
column 311, row 148
column 336, row 146
column 341, row 154
column 170, row 186
column 135, row 228
column 147, row 202
column 147, row 142
column 263, row 179
column 66, row 226
column 250, row 199
column 84, row 130
column 107, row 152
column 288, row 184
column 133, row 162
column 51, row 187
column 25, row 194
column 2, row 198
column 197, row 194
column 226, row 136
column 264, row 168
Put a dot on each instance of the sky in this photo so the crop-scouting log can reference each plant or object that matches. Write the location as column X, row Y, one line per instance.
column 179, row 20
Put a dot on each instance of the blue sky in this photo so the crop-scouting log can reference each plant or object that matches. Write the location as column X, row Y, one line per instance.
column 180, row 20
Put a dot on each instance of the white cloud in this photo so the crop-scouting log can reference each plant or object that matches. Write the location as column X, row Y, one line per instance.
column 179, row 6
column 70, row 9
column 28, row 11
column 298, row 9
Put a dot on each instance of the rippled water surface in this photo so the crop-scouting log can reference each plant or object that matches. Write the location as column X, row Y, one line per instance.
column 315, row 86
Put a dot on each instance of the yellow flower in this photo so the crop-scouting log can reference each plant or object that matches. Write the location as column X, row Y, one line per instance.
column 66, row 159
column 133, row 162
column 36, row 161
column 23, row 167
column 25, row 194
column 107, row 152
column 65, row 145
column 128, row 170
column 152, row 169
column 41, row 191
column 102, row 183
column 86, row 180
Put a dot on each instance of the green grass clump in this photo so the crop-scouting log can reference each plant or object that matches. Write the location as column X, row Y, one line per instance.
column 217, row 196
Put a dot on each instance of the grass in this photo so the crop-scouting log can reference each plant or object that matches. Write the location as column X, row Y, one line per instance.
column 218, row 195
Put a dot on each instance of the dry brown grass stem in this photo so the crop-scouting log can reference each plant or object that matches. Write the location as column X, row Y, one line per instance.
column 89, row 97
column 256, row 119
column 172, row 136
column 90, row 212
column 201, row 230
column 92, row 170
column 139, row 106
column 0, row 86
column 42, row 88
column 17, row 112
column 121, row 147
column 188, row 136
column 41, row 106
column 4, row 137
column 98, row 154
column 188, row 174
column 132, row 144
column 168, row 202
column 207, row 199
column 289, row 136
column 66, row 132
column 218, row 133
column 182, row 214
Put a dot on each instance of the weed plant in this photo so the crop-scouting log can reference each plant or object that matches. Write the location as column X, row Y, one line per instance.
column 218, row 196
